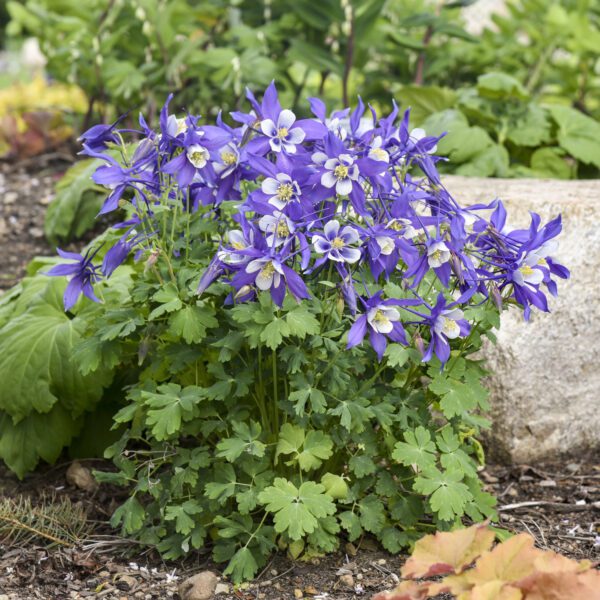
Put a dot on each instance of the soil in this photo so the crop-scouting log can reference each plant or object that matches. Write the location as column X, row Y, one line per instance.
column 26, row 189
column 565, row 518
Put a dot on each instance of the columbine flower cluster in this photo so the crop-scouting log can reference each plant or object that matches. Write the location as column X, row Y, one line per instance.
column 348, row 197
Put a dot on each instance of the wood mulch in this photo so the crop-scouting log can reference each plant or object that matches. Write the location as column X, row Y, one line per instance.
column 558, row 503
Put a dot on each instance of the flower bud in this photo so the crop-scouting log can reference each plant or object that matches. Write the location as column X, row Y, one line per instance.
column 457, row 267
column 496, row 296
column 243, row 291
column 339, row 305
column 152, row 258
column 419, row 343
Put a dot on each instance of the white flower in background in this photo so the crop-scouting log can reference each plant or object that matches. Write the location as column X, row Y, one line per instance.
column 437, row 254
column 198, row 155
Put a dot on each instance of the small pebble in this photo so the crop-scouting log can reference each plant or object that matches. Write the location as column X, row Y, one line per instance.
column 10, row 198
column 347, row 580
column 298, row 594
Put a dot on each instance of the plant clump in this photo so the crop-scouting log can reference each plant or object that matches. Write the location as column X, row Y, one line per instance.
column 296, row 304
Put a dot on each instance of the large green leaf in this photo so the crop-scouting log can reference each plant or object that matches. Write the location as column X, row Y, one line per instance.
column 76, row 204
column 500, row 86
column 34, row 437
column 578, row 134
column 425, row 101
column 37, row 369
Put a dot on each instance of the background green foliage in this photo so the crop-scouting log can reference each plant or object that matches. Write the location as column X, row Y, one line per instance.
column 130, row 55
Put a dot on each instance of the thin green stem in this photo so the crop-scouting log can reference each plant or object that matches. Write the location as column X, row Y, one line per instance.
column 275, row 392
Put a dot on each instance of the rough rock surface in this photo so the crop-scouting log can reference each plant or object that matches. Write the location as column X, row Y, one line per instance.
column 199, row 587
column 546, row 373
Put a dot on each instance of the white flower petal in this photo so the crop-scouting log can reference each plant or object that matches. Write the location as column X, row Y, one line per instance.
column 295, row 136
column 275, row 144
column 270, row 186
column 349, row 235
column 255, row 265
column 343, row 187
column 331, row 229
column 328, row 179
column 268, row 127
column 386, row 244
column 264, row 279
column 286, row 119
column 350, row 255
column 320, row 244
column 319, row 157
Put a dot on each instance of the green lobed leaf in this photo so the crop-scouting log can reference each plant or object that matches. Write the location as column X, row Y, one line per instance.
column 448, row 495
column 418, row 449
column 191, row 323
column 296, row 510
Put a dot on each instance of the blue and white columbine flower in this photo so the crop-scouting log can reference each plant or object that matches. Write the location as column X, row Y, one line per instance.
column 283, row 136
column 278, row 227
column 340, row 172
column 336, row 244
column 281, row 190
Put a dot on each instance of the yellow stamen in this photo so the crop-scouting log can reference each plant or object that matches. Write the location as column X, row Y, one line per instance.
column 436, row 255
column 282, row 133
column 282, row 229
column 450, row 325
column 379, row 153
column 197, row 157
column 285, row 192
column 267, row 270
column 338, row 243
column 228, row 158
column 341, row 171
column 526, row 270
column 380, row 317
column 542, row 262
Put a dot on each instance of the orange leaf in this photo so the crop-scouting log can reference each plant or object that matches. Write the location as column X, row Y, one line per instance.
column 562, row 586
column 550, row 562
column 493, row 590
column 510, row 561
column 447, row 552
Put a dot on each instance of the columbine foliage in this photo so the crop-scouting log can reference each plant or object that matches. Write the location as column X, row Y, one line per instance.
column 305, row 301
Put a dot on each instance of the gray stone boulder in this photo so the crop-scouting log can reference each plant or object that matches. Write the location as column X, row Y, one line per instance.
column 545, row 380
